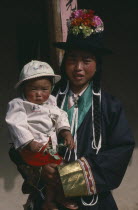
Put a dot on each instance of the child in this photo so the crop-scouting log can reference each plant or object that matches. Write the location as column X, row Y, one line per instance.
column 34, row 120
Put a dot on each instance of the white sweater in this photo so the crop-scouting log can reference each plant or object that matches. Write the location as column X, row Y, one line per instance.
column 27, row 121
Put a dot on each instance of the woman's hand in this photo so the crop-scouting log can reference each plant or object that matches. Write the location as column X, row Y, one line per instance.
column 34, row 146
column 50, row 173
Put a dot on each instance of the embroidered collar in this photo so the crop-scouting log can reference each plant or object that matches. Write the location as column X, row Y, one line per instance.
column 75, row 95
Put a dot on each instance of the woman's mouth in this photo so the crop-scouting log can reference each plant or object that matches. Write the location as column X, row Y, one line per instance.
column 78, row 76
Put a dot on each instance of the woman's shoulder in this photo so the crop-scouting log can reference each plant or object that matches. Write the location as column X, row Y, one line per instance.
column 110, row 102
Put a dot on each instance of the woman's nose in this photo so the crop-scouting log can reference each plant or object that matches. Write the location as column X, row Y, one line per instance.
column 79, row 66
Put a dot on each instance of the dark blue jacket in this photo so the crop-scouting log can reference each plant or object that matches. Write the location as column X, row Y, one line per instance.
column 109, row 166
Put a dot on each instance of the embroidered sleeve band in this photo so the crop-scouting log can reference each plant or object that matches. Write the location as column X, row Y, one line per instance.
column 89, row 179
column 77, row 179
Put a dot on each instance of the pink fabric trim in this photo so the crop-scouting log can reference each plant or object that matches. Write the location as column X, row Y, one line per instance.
column 89, row 179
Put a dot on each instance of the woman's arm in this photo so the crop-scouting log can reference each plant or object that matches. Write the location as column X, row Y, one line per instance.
column 110, row 164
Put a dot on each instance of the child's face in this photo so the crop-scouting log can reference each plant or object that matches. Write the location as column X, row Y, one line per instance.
column 37, row 90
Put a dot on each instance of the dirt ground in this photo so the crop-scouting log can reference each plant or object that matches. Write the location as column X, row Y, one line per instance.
column 126, row 195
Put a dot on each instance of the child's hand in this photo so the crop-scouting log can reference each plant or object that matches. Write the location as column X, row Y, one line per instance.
column 68, row 139
column 34, row 146
column 69, row 142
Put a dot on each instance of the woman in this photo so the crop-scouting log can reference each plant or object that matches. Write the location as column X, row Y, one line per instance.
column 104, row 143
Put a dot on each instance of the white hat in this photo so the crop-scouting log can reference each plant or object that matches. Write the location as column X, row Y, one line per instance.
column 36, row 69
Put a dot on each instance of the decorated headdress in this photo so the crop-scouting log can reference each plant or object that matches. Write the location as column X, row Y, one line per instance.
column 85, row 31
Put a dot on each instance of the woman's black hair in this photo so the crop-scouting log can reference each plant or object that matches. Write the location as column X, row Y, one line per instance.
column 97, row 99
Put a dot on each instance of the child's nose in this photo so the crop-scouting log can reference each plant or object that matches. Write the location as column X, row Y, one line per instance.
column 38, row 93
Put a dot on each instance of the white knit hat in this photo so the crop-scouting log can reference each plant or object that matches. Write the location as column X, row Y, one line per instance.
column 36, row 69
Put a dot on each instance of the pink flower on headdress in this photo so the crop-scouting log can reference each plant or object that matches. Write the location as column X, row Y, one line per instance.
column 77, row 14
column 97, row 21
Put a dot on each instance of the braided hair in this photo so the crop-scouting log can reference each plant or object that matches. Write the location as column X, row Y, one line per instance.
column 97, row 103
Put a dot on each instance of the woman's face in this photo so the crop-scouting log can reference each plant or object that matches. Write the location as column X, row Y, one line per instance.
column 37, row 90
column 80, row 67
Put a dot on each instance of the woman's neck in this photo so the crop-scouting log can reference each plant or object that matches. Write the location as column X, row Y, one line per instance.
column 78, row 90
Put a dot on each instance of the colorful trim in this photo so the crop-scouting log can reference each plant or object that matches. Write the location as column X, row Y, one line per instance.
column 89, row 179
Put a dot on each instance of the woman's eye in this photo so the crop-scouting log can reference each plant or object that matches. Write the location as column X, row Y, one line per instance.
column 87, row 60
column 71, row 59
